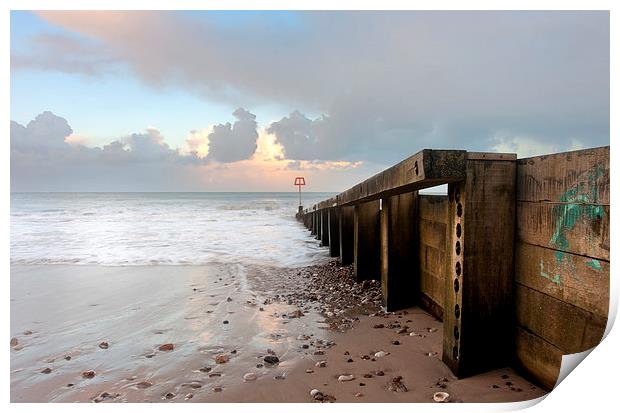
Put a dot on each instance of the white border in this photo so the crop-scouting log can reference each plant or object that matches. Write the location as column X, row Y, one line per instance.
column 591, row 386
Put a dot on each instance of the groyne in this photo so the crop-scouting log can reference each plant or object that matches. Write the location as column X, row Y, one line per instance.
column 514, row 259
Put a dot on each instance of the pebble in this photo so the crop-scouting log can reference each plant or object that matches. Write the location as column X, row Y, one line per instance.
column 395, row 342
column 88, row 374
column 309, row 371
column 441, row 397
column 105, row 396
column 217, row 389
column 222, row 358
column 205, row 369
column 379, row 373
column 188, row 396
column 67, row 357
column 104, row 345
column 346, row 377
column 271, row 359
column 281, row 376
column 14, row 342
column 314, row 392
column 169, row 396
column 46, row 370
column 166, row 347
column 144, row 385
column 225, row 322
column 367, row 375
column 322, row 363
column 249, row 377
column 381, row 354
column 318, row 353
column 397, row 385
column 358, row 394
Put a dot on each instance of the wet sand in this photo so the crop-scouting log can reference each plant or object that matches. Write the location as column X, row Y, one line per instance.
column 61, row 314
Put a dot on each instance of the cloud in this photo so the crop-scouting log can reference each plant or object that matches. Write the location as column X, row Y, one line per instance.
column 384, row 84
column 230, row 143
column 47, row 156
column 526, row 146
column 47, row 132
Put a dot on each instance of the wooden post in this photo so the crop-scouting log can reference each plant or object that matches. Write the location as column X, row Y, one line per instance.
column 317, row 223
column 345, row 222
column 324, row 227
column 366, row 241
column 478, row 313
column 400, row 273
column 312, row 223
column 334, row 231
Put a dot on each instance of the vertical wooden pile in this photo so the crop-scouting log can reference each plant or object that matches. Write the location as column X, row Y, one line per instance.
column 398, row 255
column 366, row 241
column 345, row 230
column 478, row 313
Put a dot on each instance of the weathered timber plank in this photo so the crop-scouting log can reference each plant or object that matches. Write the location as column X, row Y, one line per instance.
column 434, row 208
column 577, row 280
column 576, row 228
column 578, row 176
column 557, row 322
column 540, row 360
column 432, row 286
column 433, row 234
column 431, row 306
column 433, row 260
column 425, row 169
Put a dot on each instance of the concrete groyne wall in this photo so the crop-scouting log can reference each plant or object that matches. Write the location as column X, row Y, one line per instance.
column 514, row 260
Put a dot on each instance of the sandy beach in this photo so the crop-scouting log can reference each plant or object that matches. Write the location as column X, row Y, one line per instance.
column 223, row 320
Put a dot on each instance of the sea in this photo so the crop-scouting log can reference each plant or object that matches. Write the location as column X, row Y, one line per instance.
column 122, row 229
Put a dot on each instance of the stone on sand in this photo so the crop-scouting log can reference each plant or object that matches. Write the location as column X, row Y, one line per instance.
column 346, row 377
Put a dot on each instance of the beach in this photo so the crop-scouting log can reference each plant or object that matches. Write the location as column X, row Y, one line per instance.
column 211, row 333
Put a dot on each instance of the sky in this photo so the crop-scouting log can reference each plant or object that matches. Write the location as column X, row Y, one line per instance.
column 247, row 101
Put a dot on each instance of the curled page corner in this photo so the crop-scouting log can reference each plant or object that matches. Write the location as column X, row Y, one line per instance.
column 569, row 362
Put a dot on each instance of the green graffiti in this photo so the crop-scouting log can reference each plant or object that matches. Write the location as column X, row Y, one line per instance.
column 595, row 264
column 555, row 279
column 576, row 205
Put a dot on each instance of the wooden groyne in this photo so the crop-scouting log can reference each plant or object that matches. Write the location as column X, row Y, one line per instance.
column 514, row 260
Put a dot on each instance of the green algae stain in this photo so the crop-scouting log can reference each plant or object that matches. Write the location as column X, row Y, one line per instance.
column 595, row 264
column 555, row 279
column 576, row 206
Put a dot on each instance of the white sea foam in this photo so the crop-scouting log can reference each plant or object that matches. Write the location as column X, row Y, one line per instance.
column 161, row 229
